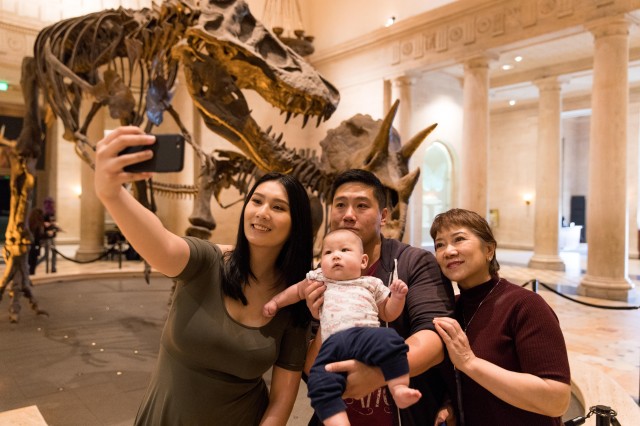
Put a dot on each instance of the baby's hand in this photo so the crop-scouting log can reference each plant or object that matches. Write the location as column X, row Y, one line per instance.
column 270, row 309
column 398, row 289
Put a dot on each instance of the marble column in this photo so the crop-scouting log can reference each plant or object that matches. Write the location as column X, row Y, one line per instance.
column 547, row 201
column 91, row 209
column 401, row 89
column 607, row 260
column 475, row 136
column 633, row 177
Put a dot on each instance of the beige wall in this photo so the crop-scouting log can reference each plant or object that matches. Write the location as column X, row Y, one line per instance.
column 575, row 161
column 512, row 174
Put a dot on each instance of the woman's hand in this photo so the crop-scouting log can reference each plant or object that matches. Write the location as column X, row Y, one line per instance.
column 456, row 340
column 109, row 174
column 314, row 295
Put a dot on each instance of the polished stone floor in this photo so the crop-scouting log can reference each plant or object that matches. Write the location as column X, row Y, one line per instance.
column 89, row 361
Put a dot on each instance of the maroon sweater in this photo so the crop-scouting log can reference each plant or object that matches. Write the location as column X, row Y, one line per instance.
column 516, row 330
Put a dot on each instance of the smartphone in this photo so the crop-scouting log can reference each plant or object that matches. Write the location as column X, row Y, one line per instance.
column 168, row 155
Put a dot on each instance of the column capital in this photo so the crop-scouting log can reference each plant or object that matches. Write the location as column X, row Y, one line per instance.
column 479, row 61
column 609, row 26
column 403, row 80
column 550, row 83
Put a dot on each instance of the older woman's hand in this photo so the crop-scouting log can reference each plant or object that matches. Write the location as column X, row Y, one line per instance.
column 456, row 340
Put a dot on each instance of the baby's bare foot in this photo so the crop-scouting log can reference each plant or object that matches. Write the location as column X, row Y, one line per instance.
column 404, row 396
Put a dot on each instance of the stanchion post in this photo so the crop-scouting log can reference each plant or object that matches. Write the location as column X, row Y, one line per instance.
column 119, row 253
column 603, row 415
column 534, row 285
column 47, row 248
column 54, row 254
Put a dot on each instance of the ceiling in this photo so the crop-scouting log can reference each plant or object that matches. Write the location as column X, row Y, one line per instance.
column 570, row 57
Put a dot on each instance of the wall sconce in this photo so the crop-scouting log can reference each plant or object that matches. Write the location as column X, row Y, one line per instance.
column 77, row 191
column 528, row 198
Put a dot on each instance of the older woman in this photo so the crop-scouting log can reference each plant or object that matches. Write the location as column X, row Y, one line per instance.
column 506, row 345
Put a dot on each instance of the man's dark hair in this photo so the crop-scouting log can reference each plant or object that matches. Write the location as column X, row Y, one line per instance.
column 362, row 176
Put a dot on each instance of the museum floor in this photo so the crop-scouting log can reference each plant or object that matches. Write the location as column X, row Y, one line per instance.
column 89, row 361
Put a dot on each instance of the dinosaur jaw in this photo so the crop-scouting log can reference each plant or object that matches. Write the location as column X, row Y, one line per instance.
column 225, row 110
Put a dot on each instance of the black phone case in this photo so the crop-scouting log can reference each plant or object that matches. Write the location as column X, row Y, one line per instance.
column 168, row 155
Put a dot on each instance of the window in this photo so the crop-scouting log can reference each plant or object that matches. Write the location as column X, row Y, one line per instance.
column 436, row 186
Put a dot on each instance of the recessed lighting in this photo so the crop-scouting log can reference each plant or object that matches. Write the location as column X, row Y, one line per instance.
column 507, row 67
column 512, row 102
column 518, row 58
column 390, row 21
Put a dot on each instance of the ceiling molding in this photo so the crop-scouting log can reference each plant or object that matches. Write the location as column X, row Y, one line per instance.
column 442, row 35
column 565, row 68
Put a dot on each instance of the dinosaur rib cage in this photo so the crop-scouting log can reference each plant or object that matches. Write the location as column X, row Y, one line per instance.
column 115, row 56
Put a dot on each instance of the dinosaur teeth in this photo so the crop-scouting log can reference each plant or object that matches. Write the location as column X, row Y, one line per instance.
column 319, row 121
column 269, row 129
column 288, row 117
column 279, row 137
column 305, row 120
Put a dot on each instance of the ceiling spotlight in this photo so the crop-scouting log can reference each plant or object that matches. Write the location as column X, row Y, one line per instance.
column 512, row 102
column 507, row 67
column 518, row 58
column 390, row 21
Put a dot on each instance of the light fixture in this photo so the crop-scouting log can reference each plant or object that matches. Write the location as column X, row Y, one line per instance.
column 390, row 21
column 528, row 198
column 4, row 86
column 512, row 102
column 77, row 190
column 507, row 67
column 518, row 58
column 284, row 18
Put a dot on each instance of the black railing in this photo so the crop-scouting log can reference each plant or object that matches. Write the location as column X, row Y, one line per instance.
column 535, row 283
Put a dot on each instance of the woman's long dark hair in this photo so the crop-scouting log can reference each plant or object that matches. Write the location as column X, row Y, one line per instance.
column 296, row 256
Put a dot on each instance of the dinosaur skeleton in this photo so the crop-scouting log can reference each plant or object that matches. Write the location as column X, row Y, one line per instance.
column 128, row 61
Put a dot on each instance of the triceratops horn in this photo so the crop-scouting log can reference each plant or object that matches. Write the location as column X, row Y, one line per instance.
column 407, row 183
column 380, row 145
column 410, row 147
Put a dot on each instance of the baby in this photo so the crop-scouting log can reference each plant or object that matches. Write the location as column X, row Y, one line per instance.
column 350, row 326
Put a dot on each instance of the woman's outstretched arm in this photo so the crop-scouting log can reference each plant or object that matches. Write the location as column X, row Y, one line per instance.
column 163, row 250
